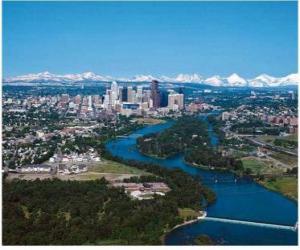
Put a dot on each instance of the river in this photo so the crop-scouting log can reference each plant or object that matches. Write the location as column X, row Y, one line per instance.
column 240, row 199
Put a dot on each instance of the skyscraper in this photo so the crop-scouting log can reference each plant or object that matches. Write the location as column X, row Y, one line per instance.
column 155, row 95
column 114, row 93
column 131, row 94
column 124, row 95
column 164, row 98
column 139, row 94
column 176, row 101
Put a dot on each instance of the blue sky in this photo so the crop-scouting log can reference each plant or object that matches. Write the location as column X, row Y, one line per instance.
column 162, row 38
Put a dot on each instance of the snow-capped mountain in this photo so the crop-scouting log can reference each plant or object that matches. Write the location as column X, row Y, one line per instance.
column 142, row 78
column 214, row 81
column 263, row 80
column 292, row 79
column 48, row 77
column 182, row 78
column 185, row 78
column 233, row 80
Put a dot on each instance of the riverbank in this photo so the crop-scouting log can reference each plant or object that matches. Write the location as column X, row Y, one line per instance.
column 234, row 200
column 282, row 185
column 287, row 186
column 201, row 215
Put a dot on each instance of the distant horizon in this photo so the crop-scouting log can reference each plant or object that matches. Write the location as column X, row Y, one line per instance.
column 150, row 38
column 141, row 74
column 234, row 79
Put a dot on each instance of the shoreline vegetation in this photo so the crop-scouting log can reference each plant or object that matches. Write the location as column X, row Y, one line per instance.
column 189, row 136
column 116, row 217
column 286, row 186
column 189, row 216
column 183, row 140
column 185, row 192
column 176, row 209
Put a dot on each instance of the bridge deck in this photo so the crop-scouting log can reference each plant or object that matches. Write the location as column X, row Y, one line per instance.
column 251, row 223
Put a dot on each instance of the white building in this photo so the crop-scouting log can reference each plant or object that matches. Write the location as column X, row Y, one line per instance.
column 90, row 103
column 175, row 101
column 130, row 94
column 114, row 93
column 139, row 94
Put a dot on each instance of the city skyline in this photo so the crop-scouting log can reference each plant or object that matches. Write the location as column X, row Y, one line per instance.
column 143, row 38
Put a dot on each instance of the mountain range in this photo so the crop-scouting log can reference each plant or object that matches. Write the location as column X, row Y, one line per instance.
column 233, row 80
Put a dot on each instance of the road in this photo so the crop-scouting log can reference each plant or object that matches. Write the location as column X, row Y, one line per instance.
column 251, row 138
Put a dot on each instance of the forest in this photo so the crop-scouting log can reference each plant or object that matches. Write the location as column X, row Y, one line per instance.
column 187, row 131
column 189, row 135
column 55, row 212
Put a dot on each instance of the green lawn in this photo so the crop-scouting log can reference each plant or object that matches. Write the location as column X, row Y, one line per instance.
column 293, row 137
column 286, row 185
column 106, row 166
column 285, row 158
column 188, row 213
column 267, row 138
column 271, row 138
column 258, row 166
column 110, row 170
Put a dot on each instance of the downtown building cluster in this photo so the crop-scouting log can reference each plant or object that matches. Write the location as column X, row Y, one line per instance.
column 128, row 100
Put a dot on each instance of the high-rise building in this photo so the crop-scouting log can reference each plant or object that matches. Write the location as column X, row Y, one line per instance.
column 120, row 93
column 133, row 96
column 114, row 93
column 130, row 94
column 139, row 94
column 155, row 95
column 90, row 108
column 147, row 95
column 164, row 98
column 124, row 95
column 292, row 94
column 176, row 101
column 107, row 99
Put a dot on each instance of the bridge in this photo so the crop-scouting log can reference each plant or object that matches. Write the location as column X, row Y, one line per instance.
column 250, row 223
column 122, row 136
column 135, row 135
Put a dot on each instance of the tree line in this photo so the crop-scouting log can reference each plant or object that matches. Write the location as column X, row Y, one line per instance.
column 55, row 212
column 189, row 135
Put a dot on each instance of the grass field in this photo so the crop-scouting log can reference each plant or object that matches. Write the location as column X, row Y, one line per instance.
column 106, row 166
column 271, row 138
column 288, row 186
column 259, row 166
column 110, row 170
column 293, row 137
column 188, row 213
column 267, row 138
column 284, row 158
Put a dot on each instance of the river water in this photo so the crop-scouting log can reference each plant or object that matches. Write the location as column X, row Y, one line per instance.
column 240, row 199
